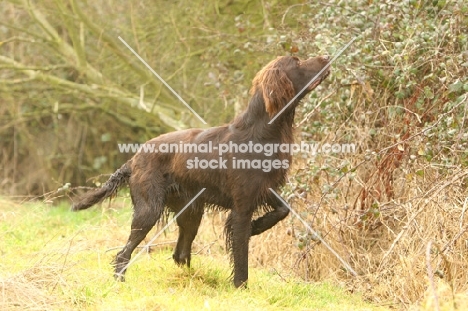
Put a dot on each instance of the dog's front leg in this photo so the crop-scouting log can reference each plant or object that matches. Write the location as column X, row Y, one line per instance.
column 271, row 218
column 240, row 225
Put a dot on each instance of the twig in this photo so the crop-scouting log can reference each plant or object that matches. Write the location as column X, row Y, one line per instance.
column 441, row 117
column 144, row 246
column 205, row 247
column 462, row 216
column 449, row 276
column 289, row 8
column 62, row 46
column 434, row 191
column 17, row 39
column 102, row 91
column 455, row 238
column 324, row 243
column 430, row 273
column 279, row 274
column 306, row 118
column 66, row 257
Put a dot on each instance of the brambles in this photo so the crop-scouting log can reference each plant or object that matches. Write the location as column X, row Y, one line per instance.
column 401, row 96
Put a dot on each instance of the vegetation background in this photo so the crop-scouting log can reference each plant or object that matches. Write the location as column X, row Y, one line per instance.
column 395, row 210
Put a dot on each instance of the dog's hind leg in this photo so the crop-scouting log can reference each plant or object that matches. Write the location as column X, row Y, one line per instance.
column 188, row 223
column 148, row 208
column 271, row 218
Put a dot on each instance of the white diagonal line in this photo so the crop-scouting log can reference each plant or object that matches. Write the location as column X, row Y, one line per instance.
column 120, row 273
column 161, row 79
column 316, row 234
column 313, row 79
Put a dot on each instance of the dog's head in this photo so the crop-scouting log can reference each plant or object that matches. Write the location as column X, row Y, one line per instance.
column 285, row 77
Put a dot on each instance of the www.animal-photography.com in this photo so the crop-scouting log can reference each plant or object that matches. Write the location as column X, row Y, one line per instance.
column 234, row 155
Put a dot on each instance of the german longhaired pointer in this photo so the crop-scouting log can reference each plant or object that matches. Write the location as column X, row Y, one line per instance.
column 171, row 179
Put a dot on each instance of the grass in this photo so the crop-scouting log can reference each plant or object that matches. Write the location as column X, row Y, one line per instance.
column 53, row 259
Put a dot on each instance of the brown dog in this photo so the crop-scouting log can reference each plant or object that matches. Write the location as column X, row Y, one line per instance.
column 237, row 180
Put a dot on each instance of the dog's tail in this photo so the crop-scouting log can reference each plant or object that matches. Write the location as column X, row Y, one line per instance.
column 111, row 186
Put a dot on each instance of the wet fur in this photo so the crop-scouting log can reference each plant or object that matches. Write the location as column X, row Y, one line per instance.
column 160, row 180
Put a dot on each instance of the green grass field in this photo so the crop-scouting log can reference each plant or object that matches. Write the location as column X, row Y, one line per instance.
column 54, row 259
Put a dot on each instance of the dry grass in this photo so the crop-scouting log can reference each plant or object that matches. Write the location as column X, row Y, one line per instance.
column 388, row 247
column 19, row 292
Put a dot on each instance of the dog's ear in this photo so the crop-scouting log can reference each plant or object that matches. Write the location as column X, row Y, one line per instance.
column 277, row 90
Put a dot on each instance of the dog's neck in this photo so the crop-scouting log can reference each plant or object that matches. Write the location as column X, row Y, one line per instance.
column 254, row 120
